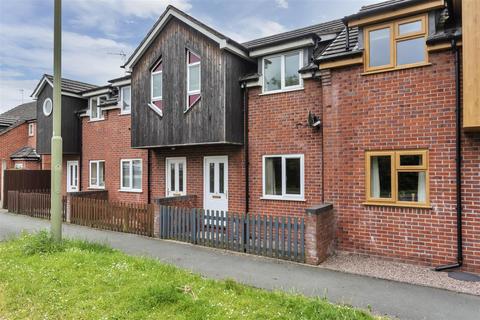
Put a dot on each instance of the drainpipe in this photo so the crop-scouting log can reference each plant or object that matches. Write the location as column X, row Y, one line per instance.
column 245, row 139
column 149, row 165
column 458, row 165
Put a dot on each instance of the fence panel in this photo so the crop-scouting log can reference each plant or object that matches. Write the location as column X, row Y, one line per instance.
column 260, row 234
column 35, row 204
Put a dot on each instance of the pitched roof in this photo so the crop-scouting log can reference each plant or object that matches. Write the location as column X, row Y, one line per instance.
column 172, row 12
column 68, row 85
column 24, row 112
column 338, row 47
column 389, row 5
column 25, row 153
column 320, row 29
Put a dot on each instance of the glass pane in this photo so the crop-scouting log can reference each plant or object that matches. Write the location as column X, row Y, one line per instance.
column 379, row 47
column 292, row 65
column 180, row 177
column 194, row 78
column 221, row 177
column 292, row 171
column 172, row 177
column 94, row 108
column 137, row 174
column 273, row 176
column 126, row 98
column 93, row 173
column 411, row 160
column 212, row 178
column 410, row 27
column 380, row 177
column 125, row 174
column 411, row 51
column 272, row 73
column 157, row 85
column 101, row 174
column 412, row 186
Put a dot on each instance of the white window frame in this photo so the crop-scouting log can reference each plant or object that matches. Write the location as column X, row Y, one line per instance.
column 45, row 113
column 99, row 109
column 285, row 196
column 153, row 73
column 167, row 181
column 31, row 129
column 122, row 107
column 283, row 88
column 95, row 186
column 130, row 172
column 192, row 92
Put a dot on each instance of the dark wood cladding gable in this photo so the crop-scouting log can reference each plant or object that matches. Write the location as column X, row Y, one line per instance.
column 70, row 123
column 205, row 122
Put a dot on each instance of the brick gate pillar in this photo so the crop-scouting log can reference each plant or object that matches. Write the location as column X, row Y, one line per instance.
column 319, row 233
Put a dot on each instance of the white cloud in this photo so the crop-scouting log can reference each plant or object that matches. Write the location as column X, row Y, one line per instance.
column 10, row 94
column 106, row 15
column 282, row 4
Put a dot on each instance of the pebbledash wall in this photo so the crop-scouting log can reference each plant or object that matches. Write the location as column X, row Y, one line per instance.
column 195, row 169
column 110, row 140
column 397, row 110
column 278, row 126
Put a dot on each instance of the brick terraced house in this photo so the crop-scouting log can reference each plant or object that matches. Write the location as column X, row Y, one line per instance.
column 369, row 126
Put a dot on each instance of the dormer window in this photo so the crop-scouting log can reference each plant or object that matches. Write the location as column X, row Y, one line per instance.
column 396, row 45
column 193, row 79
column 280, row 72
column 125, row 98
column 95, row 110
column 156, row 88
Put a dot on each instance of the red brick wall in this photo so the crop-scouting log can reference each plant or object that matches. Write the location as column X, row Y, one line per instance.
column 109, row 140
column 277, row 125
column 32, row 140
column 408, row 109
column 11, row 141
column 195, row 155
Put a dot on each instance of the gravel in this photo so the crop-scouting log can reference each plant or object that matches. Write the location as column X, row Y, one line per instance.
column 402, row 272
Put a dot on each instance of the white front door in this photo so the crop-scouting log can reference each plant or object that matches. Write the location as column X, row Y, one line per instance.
column 215, row 186
column 176, row 174
column 72, row 176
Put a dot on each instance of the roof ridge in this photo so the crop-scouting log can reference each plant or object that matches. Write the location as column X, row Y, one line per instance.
column 67, row 79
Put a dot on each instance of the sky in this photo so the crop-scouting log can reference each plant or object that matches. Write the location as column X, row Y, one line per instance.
column 98, row 33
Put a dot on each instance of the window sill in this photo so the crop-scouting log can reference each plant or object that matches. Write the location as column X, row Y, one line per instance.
column 96, row 188
column 130, row 190
column 96, row 120
column 281, row 91
column 420, row 65
column 399, row 205
column 125, row 113
column 283, row 199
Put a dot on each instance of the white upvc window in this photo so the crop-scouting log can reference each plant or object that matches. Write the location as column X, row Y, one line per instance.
column 31, row 129
column 193, row 79
column 97, row 174
column 125, row 99
column 156, row 82
column 95, row 110
column 283, row 177
column 280, row 72
column 131, row 175
column 176, row 176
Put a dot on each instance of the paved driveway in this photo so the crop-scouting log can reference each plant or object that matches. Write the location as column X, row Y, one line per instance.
column 394, row 299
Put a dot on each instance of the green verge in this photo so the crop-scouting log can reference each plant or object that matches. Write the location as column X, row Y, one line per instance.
column 40, row 279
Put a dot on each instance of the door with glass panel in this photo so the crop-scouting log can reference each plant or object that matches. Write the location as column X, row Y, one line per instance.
column 72, row 176
column 215, row 183
column 176, row 173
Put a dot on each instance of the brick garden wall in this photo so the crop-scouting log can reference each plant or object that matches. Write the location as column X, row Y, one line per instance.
column 109, row 140
column 277, row 126
column 195, row 157
column 407, row 109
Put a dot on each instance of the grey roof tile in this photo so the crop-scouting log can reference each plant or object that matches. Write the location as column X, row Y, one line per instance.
column 25, row 153
column 73, row 86
column 24, row 112
column 338, row 49
column 320, row 29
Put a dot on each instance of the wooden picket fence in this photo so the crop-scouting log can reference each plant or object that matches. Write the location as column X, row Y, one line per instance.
column 134, row 218
column 272, row 236
column 34, row 203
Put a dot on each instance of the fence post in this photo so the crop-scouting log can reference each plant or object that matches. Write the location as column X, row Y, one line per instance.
column 319, row 233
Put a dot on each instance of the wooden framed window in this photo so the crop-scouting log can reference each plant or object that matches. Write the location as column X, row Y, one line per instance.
column 131, row 175
column 283, row 177
column 397, row 178
column 396, row 45
column 97, row 174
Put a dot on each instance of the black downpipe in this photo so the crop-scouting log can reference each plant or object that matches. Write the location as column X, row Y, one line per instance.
column 149, row 165
column 245, row 139
column 458, row 159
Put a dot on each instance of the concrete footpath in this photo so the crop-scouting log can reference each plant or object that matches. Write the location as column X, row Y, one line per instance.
column 394, row 299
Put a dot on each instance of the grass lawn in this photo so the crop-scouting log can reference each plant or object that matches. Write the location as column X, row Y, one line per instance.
column 80, row 280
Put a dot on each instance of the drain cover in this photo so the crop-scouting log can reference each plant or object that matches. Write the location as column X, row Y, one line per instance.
column 464, row 276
